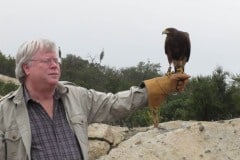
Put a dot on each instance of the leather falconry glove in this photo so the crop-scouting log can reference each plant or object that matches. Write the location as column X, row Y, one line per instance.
column 160, row 87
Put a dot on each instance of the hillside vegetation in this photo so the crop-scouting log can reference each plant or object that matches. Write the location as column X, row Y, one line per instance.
column 213, row 97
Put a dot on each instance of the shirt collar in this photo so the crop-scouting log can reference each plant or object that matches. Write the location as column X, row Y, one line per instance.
column 27, row 96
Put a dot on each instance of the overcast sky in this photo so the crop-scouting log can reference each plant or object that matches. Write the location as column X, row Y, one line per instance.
column 128, row 30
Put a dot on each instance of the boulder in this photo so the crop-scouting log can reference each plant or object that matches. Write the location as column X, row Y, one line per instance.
column 183, row 140
column 103, row 137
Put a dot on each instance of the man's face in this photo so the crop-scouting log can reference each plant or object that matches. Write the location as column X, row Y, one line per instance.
column 43, row 69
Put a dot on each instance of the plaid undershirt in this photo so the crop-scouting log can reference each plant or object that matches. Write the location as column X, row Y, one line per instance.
column 52, row 138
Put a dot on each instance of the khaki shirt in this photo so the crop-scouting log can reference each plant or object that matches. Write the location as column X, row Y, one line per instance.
column 82, row 107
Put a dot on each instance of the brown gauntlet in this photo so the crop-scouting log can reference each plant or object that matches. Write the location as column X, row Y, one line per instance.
column 158, row 88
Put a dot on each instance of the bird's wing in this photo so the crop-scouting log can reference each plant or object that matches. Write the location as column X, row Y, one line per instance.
column 188, row 45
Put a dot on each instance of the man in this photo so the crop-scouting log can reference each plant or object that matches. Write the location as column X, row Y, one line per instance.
column 47, row 119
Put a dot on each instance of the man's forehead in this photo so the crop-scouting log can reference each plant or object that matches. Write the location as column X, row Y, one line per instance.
column 45, row 54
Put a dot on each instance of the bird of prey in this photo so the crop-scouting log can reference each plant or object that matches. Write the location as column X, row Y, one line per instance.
column 177, row 49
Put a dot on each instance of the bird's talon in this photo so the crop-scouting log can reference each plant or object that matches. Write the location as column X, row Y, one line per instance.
column 169, row 73
column 179, row 70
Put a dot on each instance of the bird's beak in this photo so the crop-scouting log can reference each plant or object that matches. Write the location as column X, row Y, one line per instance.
column 165, row 32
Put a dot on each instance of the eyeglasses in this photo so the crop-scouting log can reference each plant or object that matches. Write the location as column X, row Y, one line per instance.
column 48, row 61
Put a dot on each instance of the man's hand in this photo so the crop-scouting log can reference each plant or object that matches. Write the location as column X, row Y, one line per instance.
column 158, row 88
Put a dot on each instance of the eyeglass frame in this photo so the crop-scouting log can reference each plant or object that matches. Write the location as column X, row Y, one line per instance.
column 48, row 61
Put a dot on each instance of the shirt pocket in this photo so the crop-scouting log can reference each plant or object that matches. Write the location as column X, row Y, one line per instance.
column 14, row 145
column 80, row 126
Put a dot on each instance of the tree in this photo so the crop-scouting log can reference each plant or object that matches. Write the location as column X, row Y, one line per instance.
column 205, row 98
column 7, row 65
column 5, row 88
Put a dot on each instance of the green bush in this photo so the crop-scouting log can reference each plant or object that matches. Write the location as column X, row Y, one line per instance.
column 5, row 88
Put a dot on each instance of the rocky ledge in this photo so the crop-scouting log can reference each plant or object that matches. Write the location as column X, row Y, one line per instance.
column 174, row 140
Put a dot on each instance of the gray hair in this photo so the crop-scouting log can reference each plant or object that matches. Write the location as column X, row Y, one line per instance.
column 27, row 50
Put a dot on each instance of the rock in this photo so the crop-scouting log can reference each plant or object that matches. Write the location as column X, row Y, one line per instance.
column 103, row 137
column 201, row 128
column 98, row 148
column 100, row 131
column 7, row 79
column 182, row 140
column 119, row 134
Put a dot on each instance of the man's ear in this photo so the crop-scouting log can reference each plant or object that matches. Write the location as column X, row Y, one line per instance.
column 26, row 68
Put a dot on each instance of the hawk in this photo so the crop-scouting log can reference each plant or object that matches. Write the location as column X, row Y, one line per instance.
column 177, row 48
